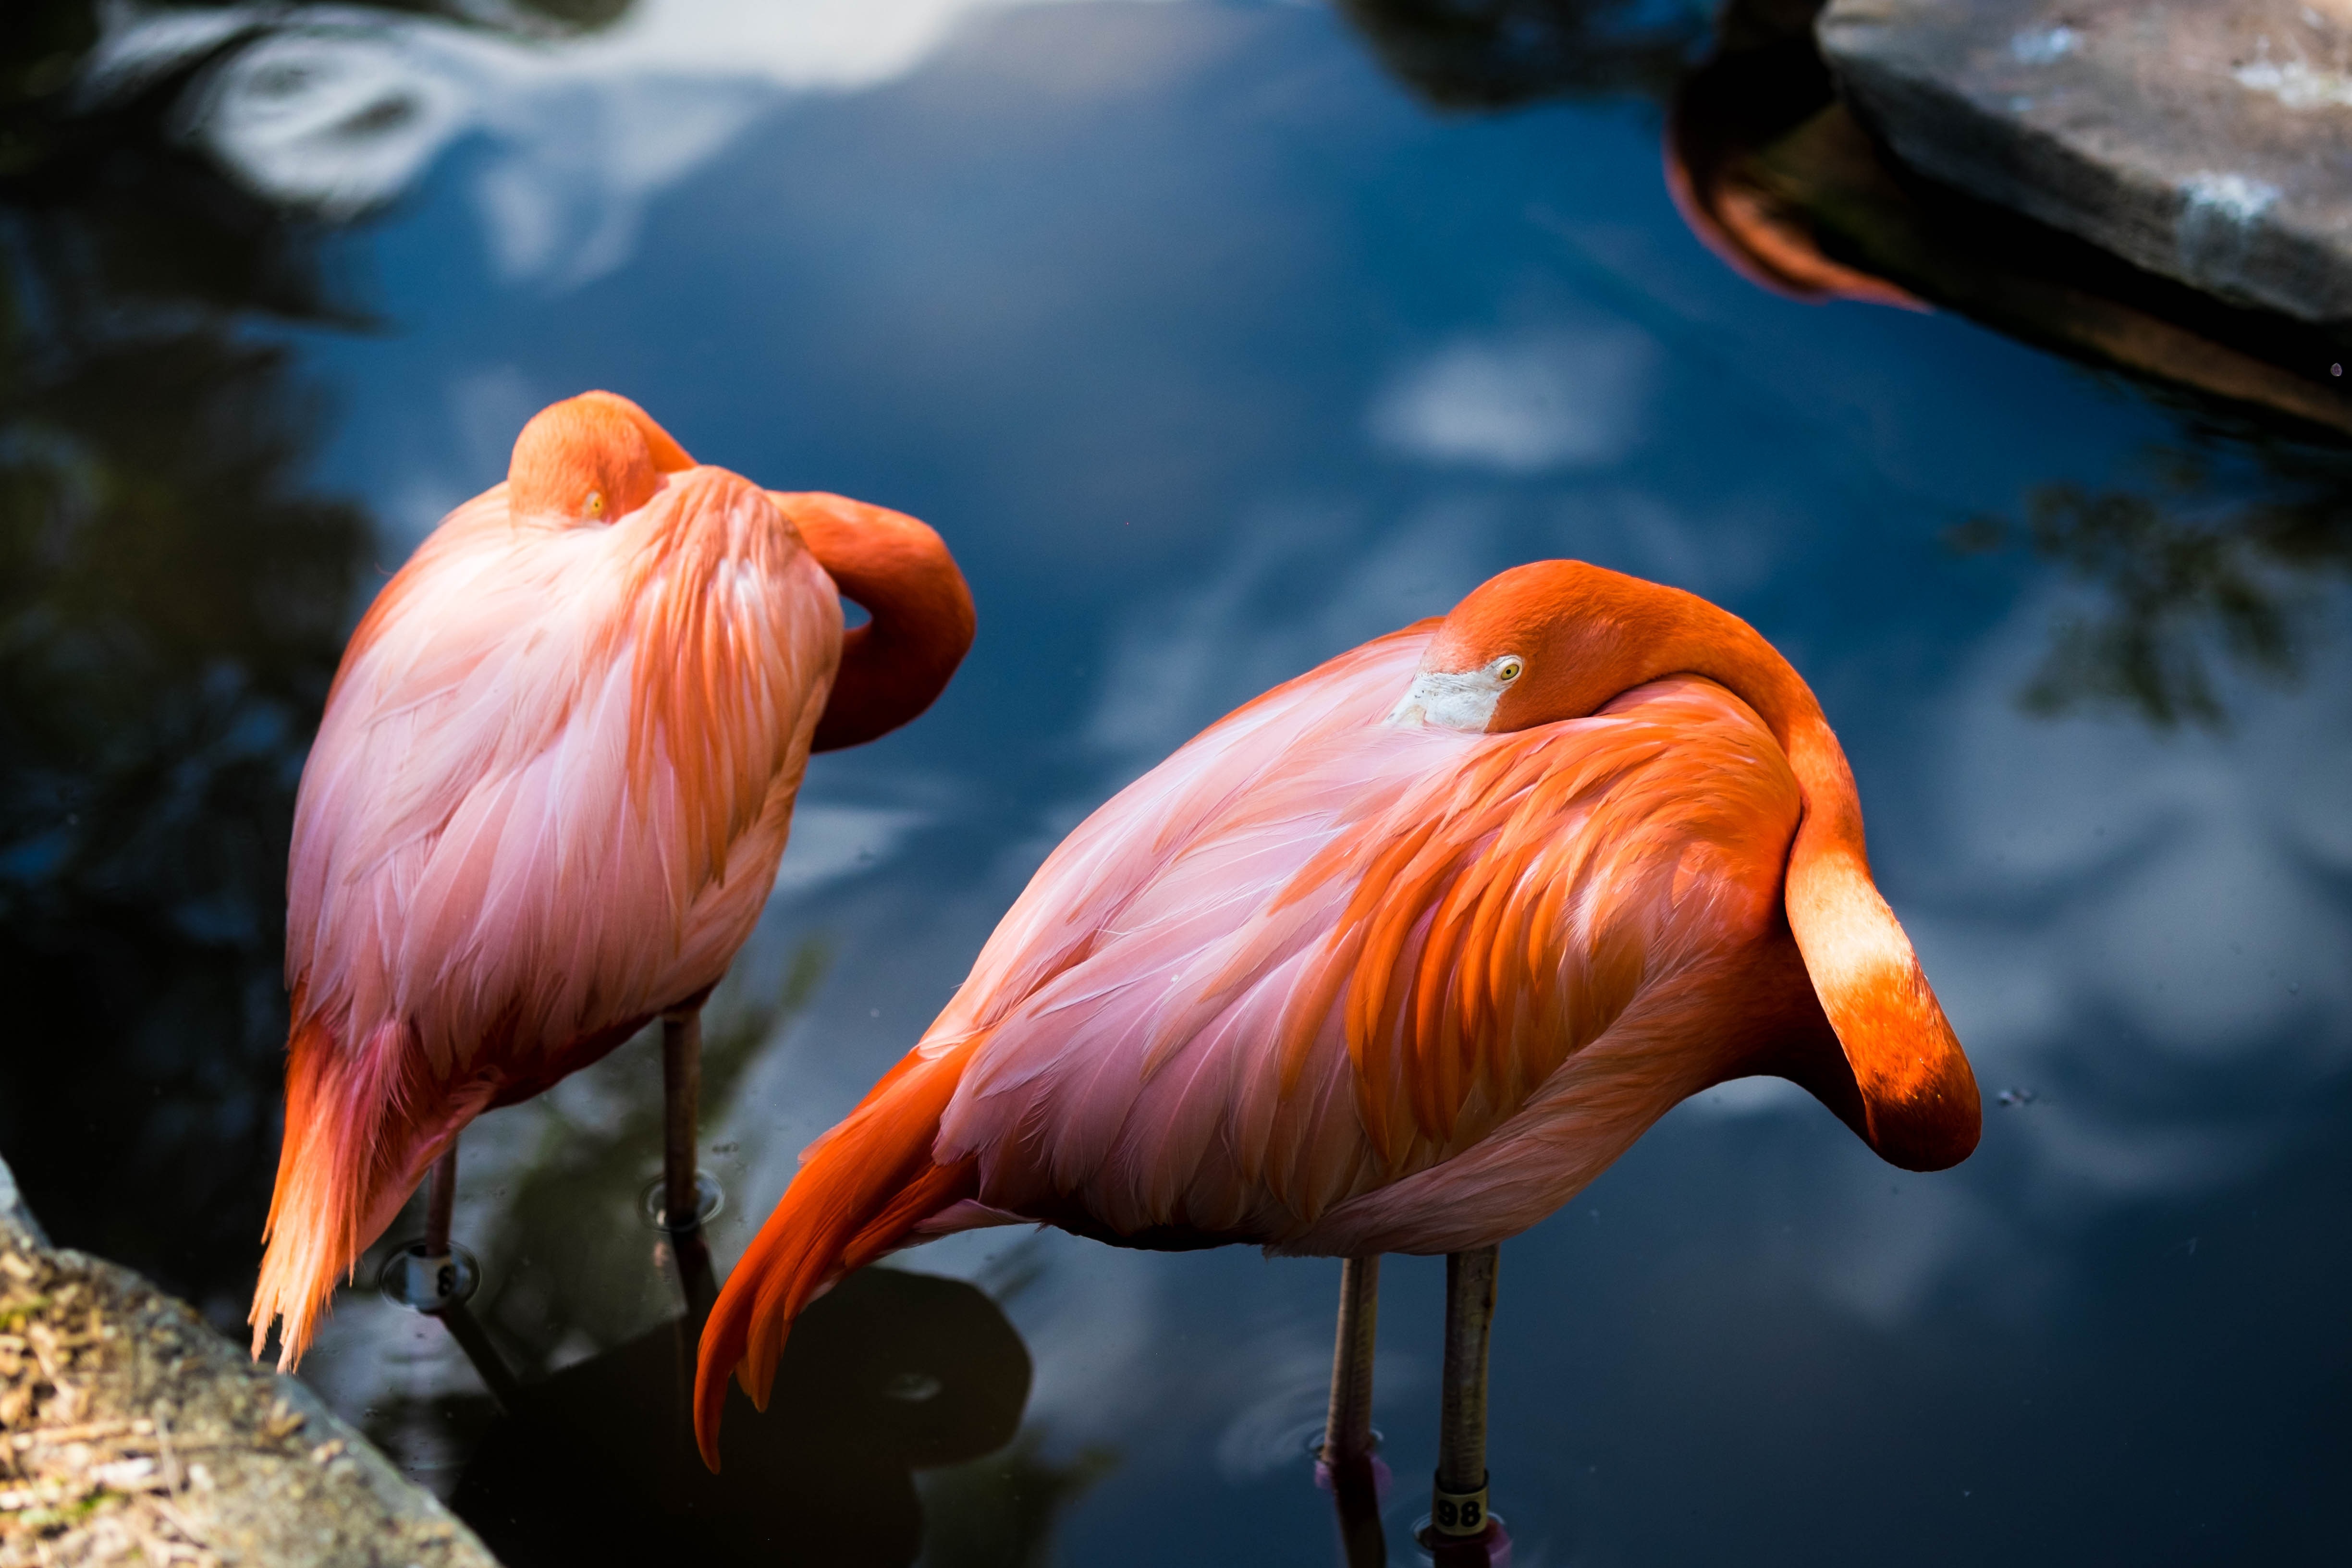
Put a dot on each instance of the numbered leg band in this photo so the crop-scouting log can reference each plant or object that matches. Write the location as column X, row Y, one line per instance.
column 1458, row 1513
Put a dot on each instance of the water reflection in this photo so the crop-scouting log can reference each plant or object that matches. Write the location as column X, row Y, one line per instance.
column 1492, row 54
column 908, row 1372
column 2188, row 580
column 1774, row 175
column 568, row 1254
column 1214, row 352
column 901, row 1372
column 1773, row 172
column 173, row 597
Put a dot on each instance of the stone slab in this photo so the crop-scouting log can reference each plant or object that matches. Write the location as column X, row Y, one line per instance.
column 2207, row 140
column 132, row 1431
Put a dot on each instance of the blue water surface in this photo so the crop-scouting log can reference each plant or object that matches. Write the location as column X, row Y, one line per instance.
column 1213, row 351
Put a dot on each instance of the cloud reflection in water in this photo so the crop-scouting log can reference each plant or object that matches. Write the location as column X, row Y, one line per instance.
column 1116, row 296
column 341, row 109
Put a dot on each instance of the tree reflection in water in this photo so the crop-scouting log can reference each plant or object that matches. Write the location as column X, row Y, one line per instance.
column 1771, row 171
column 2181, row 582
column 1493, row 54
column 172, row 604
column 173, row 599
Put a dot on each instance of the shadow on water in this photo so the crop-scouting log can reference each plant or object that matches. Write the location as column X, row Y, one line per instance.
column 889, row 1372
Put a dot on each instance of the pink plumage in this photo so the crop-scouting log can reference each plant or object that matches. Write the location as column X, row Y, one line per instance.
column 546, row 804
column 1396, row 957
column 1170, row 1062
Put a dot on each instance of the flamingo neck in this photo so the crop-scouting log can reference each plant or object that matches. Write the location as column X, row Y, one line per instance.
column 1918, row 1098
column 1600, row 634
column 921, row 613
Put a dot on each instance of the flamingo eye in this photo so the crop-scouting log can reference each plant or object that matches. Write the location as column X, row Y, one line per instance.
column 1508, row 669
column 595, row 507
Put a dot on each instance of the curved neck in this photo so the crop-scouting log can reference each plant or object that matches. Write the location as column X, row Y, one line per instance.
column 1919, row 1098
column 900, row 573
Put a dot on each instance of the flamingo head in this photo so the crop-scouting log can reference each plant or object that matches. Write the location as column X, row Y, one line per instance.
column 590, row 459
column 1558, row 640
column 1534, row 645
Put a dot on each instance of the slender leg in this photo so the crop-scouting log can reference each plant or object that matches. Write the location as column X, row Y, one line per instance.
column 488, row 1365
column 681, row 1199
column 440, row 1202
column 446, row 1284
column 681, row 1097
column 1348, row 1429
column 1458, row 1518
column 697, row 1278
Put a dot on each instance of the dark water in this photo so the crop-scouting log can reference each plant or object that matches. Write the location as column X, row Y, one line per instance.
column 1216, row 338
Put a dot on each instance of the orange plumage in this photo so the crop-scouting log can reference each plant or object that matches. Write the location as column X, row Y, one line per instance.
column 1396, row 957
column 548, row 797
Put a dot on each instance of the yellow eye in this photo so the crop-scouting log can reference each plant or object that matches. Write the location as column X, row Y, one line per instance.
column 595, row 503
column 1509, row 669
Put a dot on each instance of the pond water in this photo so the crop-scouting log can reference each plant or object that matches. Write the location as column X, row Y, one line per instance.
column 1213, row 347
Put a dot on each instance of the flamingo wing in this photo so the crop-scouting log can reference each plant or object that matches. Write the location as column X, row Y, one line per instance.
column 556, row 771
column 547, row 801
column 1313, row 953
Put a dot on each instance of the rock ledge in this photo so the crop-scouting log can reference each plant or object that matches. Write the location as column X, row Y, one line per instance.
column 2205, row 141
column 131, row 1431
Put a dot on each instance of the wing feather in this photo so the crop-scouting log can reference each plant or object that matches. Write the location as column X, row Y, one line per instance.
column 549, row 756
column 1312, row 952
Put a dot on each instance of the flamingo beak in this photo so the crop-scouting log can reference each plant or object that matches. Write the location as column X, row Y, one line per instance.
column 1449, row 699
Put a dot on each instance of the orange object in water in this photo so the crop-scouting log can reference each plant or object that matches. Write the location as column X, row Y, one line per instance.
column 553, row 780
column 1397, row 958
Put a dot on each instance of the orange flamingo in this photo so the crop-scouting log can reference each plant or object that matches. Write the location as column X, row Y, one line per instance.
column 546, row 802
column 1396, row 957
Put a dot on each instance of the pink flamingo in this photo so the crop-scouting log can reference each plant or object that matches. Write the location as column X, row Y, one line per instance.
column 1396, row 957
column 546, row 800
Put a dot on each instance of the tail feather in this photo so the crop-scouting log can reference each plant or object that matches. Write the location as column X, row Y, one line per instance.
column 361, row 1126
column 861, row 1190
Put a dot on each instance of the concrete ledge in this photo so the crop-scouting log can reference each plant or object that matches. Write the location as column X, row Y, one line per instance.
column 2205, row 141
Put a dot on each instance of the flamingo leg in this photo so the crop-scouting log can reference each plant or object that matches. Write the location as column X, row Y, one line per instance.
column 440, row 1202
column 439, row 1280
column 681, row 1098
column 682, row 1191
column 1348, row 1430
column 1460, row 1527
column 488, row 1365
